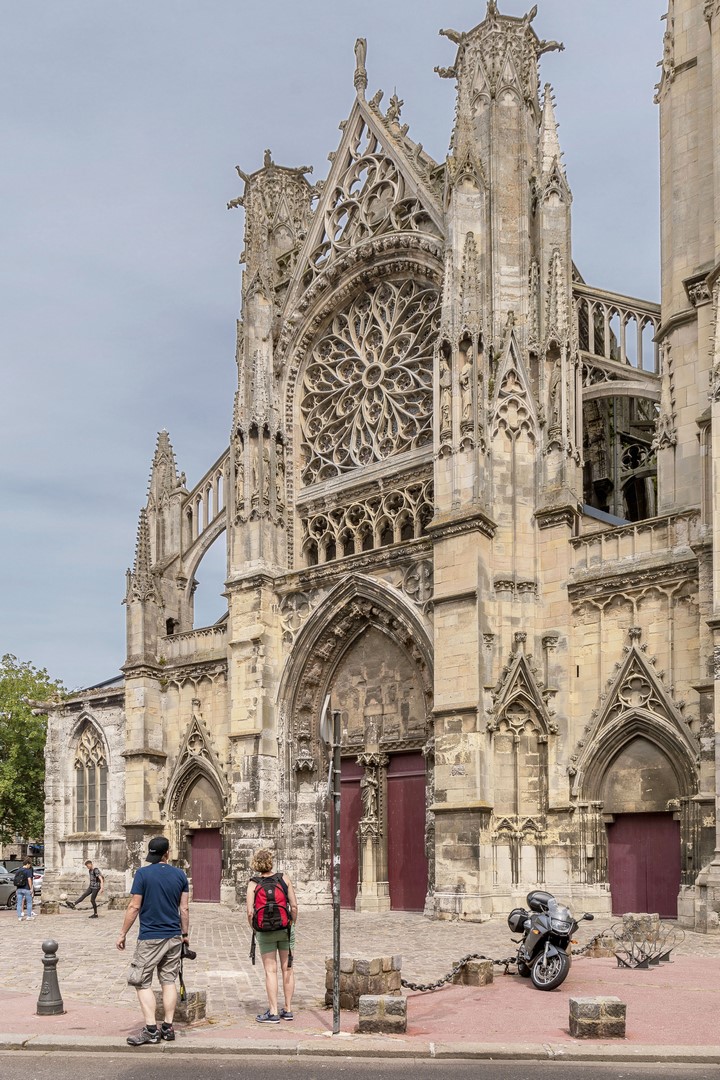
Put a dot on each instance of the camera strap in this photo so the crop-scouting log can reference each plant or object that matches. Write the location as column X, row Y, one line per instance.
column 183, row 991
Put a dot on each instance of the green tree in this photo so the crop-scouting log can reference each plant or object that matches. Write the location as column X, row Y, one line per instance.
column 23, row 729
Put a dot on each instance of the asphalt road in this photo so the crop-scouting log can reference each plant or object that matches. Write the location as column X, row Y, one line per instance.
column 148, row 1064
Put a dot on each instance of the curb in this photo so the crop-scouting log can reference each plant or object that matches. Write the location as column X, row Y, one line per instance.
column 346, row 1045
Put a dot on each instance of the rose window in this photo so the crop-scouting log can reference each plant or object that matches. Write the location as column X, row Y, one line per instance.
column 367, row 391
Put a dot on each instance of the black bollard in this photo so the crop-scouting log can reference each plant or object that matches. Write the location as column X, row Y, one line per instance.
column 50, row 1003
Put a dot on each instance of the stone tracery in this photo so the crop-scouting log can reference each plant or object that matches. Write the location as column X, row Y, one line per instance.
column 367, row 390
column 371, row 198
column 400, row 514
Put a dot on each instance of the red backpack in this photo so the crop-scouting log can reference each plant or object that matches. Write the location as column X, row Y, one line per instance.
column 271, row 908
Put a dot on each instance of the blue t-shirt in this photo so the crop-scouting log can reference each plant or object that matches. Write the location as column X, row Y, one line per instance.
column 161, row 886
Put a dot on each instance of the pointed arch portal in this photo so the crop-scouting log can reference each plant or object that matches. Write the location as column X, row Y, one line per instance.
column 368, row 649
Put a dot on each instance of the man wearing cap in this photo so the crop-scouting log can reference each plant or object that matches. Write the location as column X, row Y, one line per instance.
column 159, row 895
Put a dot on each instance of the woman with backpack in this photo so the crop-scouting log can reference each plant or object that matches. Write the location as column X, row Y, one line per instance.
column 272, row 913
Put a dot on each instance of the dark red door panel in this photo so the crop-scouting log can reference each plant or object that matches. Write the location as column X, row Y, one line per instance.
column 350, row 814
column 407, row 863
column 644, row 864
column 206, row 865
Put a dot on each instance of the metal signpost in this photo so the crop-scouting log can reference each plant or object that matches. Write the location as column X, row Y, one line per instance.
column 330, row 734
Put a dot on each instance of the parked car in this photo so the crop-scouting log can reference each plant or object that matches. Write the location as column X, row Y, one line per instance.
column 7, row 889
column 38, row 875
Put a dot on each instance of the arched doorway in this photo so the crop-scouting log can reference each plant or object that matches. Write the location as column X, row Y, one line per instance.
column 378, row 692
column 643, row 836
column 202, row 811
column 369, row 651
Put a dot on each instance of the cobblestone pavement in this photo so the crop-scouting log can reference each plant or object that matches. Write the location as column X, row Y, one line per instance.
column 91, row 968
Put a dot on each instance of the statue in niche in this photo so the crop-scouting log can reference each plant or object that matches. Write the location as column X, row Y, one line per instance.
column 369, row 795
column 445, row 395
column 554, row 397
column 279, row 476
column 239, row 473
column 255, row 474
column 266, row 475
column 466, row 390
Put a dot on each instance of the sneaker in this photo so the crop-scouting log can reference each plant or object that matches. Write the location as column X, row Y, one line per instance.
column 21, row 918
column 167, row 1032
column 93, row 916
column 285, row 1014
column 144, row 1037
column 268, row 1018
column 32, row 915
column 69, row 903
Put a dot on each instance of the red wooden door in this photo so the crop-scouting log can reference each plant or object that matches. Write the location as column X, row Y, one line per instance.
column 407, row 862
column 644, row 864
column 350, row 814
column 206, row 865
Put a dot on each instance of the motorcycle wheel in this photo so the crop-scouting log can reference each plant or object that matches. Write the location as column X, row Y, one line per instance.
column 546, row 976
column 523, row 970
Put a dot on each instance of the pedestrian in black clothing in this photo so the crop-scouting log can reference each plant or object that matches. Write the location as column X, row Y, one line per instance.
column 95, row 887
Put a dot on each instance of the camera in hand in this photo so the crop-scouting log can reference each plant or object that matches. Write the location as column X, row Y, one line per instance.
column 187, row 953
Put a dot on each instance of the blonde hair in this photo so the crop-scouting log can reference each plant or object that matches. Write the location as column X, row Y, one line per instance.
column 262, row 861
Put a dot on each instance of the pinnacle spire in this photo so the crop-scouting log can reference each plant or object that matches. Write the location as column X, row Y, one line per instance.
column 549, row 146
column 141, row 565
column 163, row 472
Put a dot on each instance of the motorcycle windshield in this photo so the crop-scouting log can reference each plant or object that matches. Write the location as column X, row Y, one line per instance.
column 561, row 919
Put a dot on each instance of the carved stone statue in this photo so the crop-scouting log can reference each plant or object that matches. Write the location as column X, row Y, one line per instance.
column 266, row 475
column 445, row 395
column 361, row 79
column 279, row 476
column 466, row 391
column 239, row 474
column 369, row 795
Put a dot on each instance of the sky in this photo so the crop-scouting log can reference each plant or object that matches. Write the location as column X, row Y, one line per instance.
column 121, row 128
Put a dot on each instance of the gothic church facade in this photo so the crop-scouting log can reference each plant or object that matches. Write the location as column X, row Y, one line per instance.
column 468, row 500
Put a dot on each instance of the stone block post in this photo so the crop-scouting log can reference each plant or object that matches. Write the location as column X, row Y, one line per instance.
column 597, row 1018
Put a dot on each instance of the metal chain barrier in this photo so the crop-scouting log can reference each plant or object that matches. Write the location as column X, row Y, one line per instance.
column 506, row 963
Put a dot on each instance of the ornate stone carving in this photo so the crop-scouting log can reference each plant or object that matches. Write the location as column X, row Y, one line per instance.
column 513, row 414
column 400, row 514
column 294, row 610
column 142, row 583
column 667, row 63
column 665, row 433
column 367, row 390
column 361, row 79
column 715, row 347
column 369, row 794
column 418, row 582
column 698, row 291
column 90, row 750
column 277, row 215
column 370, row 198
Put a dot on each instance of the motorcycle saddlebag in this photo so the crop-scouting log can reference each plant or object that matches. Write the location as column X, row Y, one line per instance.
column 538, row 900
column 516, row 920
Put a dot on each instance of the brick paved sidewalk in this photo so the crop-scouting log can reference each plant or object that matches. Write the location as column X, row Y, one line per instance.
column 672, row 1003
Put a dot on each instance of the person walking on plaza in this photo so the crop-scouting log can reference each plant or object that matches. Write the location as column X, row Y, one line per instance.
column 23, row 881
column 159, row 895
column 94, row 889
column 279, row 886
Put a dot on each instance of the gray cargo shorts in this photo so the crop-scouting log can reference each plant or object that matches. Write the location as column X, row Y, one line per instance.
column 162, row 954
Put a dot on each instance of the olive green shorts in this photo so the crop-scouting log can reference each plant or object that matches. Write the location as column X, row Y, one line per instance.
column 270, row 940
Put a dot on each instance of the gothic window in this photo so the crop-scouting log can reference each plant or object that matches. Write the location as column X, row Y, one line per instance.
column 90, row 783
column 367, row 390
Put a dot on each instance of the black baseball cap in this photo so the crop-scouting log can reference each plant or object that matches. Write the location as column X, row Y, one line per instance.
column 158, row 846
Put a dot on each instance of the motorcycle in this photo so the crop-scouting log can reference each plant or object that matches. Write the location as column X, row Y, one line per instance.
column 544, row 950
